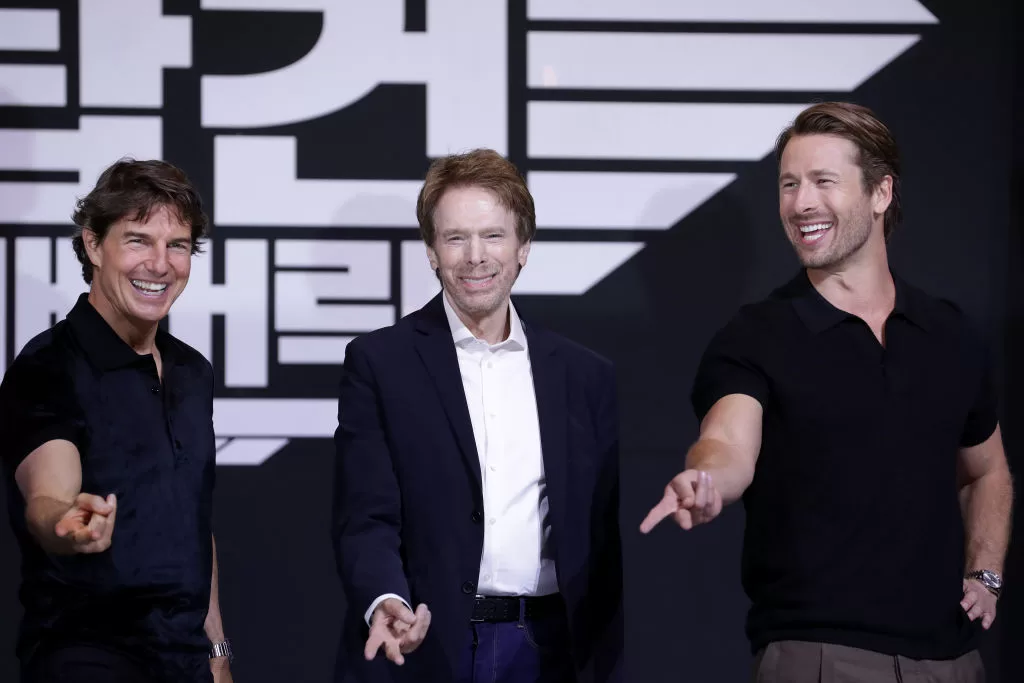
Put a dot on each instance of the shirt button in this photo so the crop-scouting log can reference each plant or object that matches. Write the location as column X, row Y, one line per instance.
column 492, row 468
column 489, row 364
column 469, row 588
column 477, row 516
column 486, row 577
column 492, row 520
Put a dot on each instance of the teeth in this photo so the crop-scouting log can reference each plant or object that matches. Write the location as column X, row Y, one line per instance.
column 478, row 280
column 815, row 228
column 149, row 286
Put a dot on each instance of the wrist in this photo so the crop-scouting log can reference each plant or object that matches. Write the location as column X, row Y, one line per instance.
column 991, row 580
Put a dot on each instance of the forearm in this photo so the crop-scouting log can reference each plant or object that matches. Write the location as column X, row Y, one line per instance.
column 214, row 626
column 986, row 504
column 729, row 471
column 41, row 516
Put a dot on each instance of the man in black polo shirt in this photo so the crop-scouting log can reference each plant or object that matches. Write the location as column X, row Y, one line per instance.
column 852, row 413
column 108, row 447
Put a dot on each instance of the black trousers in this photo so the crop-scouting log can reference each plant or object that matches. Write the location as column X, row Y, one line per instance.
column 82, row 664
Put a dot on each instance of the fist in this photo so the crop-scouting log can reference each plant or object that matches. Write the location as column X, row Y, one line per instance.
column 89, row 525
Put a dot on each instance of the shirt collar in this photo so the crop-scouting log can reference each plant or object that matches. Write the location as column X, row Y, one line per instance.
column 819, row 315
column 462, row 337
column 105, row 349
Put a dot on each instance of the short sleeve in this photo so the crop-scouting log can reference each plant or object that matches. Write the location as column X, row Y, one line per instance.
column 37, row 405
column 982, row 417
column 728, row 366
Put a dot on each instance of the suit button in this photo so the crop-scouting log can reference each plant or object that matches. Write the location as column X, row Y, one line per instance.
column 477, row 516
column 469, row 588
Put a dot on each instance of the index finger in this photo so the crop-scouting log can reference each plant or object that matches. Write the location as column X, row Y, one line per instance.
column 659, row 512
column 374, row 641
column 417, row 632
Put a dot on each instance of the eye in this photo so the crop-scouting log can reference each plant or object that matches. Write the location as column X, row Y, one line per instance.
column 180, row 246
column 822, row 181
column 789, row 184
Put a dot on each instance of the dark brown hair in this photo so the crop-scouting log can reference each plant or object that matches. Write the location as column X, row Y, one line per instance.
column 132, row 190
column 878, row 155
column 478, row 168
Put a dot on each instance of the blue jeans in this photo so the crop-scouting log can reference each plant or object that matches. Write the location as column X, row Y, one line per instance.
column 524, row 651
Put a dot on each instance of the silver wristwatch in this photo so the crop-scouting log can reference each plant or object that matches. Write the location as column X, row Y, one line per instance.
column 992, row 581
column 222, row 649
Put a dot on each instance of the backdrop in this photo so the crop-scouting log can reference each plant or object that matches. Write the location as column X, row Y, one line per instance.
column 645, row 129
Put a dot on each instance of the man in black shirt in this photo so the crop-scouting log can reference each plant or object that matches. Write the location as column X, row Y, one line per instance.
column 108, row 448
column 852, row 413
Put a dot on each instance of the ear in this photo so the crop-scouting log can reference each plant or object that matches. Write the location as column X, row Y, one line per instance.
column 432, row 257
column 881, row 197
column 524, row 251
column 92, row 247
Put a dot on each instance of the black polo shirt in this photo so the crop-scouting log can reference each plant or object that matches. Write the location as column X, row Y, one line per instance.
column 149, row 442
column 854, row 533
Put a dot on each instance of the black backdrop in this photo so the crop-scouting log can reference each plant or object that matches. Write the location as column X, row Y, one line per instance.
column 951, row 99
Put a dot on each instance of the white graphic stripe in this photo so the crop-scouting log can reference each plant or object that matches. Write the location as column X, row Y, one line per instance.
column 30, row 29
column 312, row 350
column 99, row 141
column 709, row 61
column 646, row 201
column 248, row 167
column 753, row 11
column 275, row 417
column 33, row 85
column 655, row 130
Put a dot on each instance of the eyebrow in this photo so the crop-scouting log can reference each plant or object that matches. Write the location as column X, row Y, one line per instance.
column 818, row 172
column 142, row 235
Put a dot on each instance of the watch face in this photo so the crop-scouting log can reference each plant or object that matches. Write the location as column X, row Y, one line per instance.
column 991, row 578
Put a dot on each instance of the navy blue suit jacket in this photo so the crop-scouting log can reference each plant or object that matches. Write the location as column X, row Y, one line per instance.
column 408, row 500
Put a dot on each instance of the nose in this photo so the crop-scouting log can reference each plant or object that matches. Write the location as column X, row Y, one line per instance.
column 477, row 252
column 806, row 199
column 158, row 263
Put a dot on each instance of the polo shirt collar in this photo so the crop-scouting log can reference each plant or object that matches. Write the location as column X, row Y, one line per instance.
column 104, row 348
column 819, row 315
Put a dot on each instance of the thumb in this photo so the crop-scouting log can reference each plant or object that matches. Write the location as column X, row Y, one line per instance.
column 686, row 493
column 397, row 610
column 87, row 501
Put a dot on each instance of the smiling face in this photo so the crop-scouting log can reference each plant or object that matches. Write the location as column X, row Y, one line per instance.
column 476, row 252
column 140, row 268
column 827, row 212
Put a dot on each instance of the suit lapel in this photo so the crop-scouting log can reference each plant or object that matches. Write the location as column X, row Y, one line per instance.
column 549, row 385
column 437, row 350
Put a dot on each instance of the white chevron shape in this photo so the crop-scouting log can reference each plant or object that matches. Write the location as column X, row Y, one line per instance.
column 554, row 268
column 640, row 201
column 655, row 130
column 708, row 61
column 247, row 451
column 796, row 11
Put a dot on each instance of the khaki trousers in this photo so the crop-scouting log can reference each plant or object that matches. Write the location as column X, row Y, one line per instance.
column 793, row 661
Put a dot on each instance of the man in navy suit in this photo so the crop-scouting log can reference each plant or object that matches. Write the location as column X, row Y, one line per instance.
column 477, row 468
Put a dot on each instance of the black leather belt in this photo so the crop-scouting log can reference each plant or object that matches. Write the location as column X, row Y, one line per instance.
column 502, row 608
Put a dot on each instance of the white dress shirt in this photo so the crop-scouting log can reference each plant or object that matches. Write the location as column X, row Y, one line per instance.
column 498, row 381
